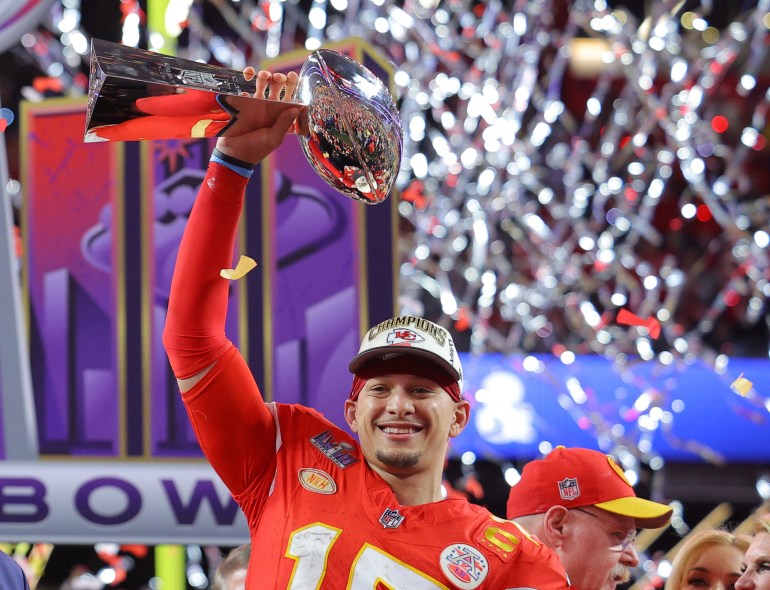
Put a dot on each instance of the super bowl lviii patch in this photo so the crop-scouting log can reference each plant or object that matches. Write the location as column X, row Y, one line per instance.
column 342, row 454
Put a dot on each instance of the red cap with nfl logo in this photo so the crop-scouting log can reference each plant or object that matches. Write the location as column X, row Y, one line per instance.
column 581, row 477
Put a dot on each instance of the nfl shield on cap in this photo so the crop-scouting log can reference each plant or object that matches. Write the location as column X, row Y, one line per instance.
column 582, row 477
column 409, row 335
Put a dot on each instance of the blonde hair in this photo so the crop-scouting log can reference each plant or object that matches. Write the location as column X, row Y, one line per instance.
column 762, row 524
column 237, row 559
column 695, row 544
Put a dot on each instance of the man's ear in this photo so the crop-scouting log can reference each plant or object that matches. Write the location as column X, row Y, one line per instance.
column 555, row 524
column 350, row 414
column 462, row 415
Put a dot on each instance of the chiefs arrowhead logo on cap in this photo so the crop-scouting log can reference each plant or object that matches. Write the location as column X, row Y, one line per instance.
column 404, row 336
column 617, row 469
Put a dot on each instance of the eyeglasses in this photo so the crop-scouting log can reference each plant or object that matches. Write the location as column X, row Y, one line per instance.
column 623, row 540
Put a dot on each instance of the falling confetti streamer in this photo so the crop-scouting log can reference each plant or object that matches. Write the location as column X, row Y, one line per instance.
column 741, row 386
column 244, row 266
column 627, row 318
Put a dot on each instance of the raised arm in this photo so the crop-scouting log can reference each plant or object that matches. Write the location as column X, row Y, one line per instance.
column 194, row 334
column 233, row 425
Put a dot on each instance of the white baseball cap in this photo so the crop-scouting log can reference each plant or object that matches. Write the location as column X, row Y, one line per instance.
column 410, row 335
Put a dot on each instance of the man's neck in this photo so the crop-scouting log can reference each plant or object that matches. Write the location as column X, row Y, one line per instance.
column 413, row 489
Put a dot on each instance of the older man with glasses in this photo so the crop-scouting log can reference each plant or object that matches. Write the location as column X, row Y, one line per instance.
column 579, row 503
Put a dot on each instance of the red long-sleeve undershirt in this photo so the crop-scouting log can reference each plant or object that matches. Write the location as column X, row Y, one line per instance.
column 194, row 334
column 231, row 421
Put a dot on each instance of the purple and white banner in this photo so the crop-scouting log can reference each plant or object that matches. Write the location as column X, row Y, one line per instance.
column 84, row 502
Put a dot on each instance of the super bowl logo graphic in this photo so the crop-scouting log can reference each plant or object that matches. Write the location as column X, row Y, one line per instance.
column 569, row 489
column 465, row 566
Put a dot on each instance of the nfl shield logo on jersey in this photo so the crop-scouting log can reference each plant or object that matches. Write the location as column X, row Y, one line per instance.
column 568, row 488
column 391, row 519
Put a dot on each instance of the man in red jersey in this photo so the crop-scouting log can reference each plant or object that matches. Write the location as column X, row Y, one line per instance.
column 325, row 511
column 579, row 502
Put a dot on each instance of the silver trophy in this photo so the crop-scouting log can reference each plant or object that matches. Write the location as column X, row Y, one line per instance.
column 354, row 139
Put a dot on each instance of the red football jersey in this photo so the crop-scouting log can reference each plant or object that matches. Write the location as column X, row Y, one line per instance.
column 320, row 517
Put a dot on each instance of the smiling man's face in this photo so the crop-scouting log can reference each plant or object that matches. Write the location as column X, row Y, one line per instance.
column 404, row 423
